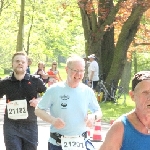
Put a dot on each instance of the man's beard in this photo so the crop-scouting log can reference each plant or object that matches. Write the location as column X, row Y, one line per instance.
column 19, row 71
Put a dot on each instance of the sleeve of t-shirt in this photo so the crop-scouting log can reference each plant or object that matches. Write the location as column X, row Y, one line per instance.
column 2, row 89
column 41, row 86
column 46, row 100
column 93, row 68
column 93, row 103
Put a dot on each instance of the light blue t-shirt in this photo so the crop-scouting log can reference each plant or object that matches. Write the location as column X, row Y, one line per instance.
column 133, row 139
column 71, row 105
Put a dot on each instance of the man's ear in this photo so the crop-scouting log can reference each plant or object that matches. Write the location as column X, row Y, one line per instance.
column 131, row 94
column 66, row 69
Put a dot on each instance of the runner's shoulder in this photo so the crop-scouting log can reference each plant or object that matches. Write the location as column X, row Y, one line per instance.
column 34, row 76
column 5, row 78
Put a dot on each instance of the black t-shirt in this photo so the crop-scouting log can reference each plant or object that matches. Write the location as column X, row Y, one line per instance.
column 27, row 88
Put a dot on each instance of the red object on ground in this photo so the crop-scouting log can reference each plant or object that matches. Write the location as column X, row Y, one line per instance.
column 97, row 134
column 88, row 132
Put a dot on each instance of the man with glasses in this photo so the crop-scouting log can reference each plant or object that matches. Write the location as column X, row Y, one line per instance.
column 69, row 103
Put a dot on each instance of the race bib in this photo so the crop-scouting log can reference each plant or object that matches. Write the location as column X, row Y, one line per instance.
column 17, row 109
column 73, row 143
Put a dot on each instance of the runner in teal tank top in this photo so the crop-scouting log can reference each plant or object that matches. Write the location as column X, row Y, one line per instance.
column 131, row 131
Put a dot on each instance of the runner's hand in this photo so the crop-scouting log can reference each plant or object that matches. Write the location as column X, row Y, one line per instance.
column 33, row 102
column 58, row 123
column 90, row 120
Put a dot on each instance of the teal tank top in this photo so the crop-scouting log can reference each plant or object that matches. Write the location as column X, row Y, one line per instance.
column 133, row 139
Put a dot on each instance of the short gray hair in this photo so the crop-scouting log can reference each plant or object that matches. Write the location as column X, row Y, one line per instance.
column 74, row 58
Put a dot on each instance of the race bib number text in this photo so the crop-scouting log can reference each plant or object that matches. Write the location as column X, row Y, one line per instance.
column 17, row 109
column 73, row 143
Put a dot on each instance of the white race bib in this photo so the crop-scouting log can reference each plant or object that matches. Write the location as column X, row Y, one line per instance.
column 17, row 109
column 73, row 143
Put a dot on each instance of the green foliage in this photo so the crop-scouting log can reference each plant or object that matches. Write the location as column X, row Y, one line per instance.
column 143, row 62
column 56, row 30
column 112, row 111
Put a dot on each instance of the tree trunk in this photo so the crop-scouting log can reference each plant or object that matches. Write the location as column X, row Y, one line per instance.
column 135, row 62
column 98, row 40
column 126, row 76
column 125, row 38
column 1, row 6
column 99, row 35
column 29, row 33
column 107, row 52
column 20, row 35
column 28, row 41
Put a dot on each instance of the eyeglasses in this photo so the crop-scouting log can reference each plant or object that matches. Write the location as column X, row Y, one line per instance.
column 54, row 64
column 76, row 71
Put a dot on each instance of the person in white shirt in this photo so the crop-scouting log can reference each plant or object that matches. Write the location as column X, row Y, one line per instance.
column 93, row 71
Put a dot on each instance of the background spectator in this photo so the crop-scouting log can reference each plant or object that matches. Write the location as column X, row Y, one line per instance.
column 41, row 72
column 29, row 63
column 93, row 72
column 53, row 74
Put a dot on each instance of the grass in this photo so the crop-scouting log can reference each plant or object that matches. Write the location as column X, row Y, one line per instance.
column 110, row 110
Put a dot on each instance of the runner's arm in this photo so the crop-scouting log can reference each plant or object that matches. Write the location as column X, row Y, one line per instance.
column 44, row 115
column 114, row 136
column 56, row 122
